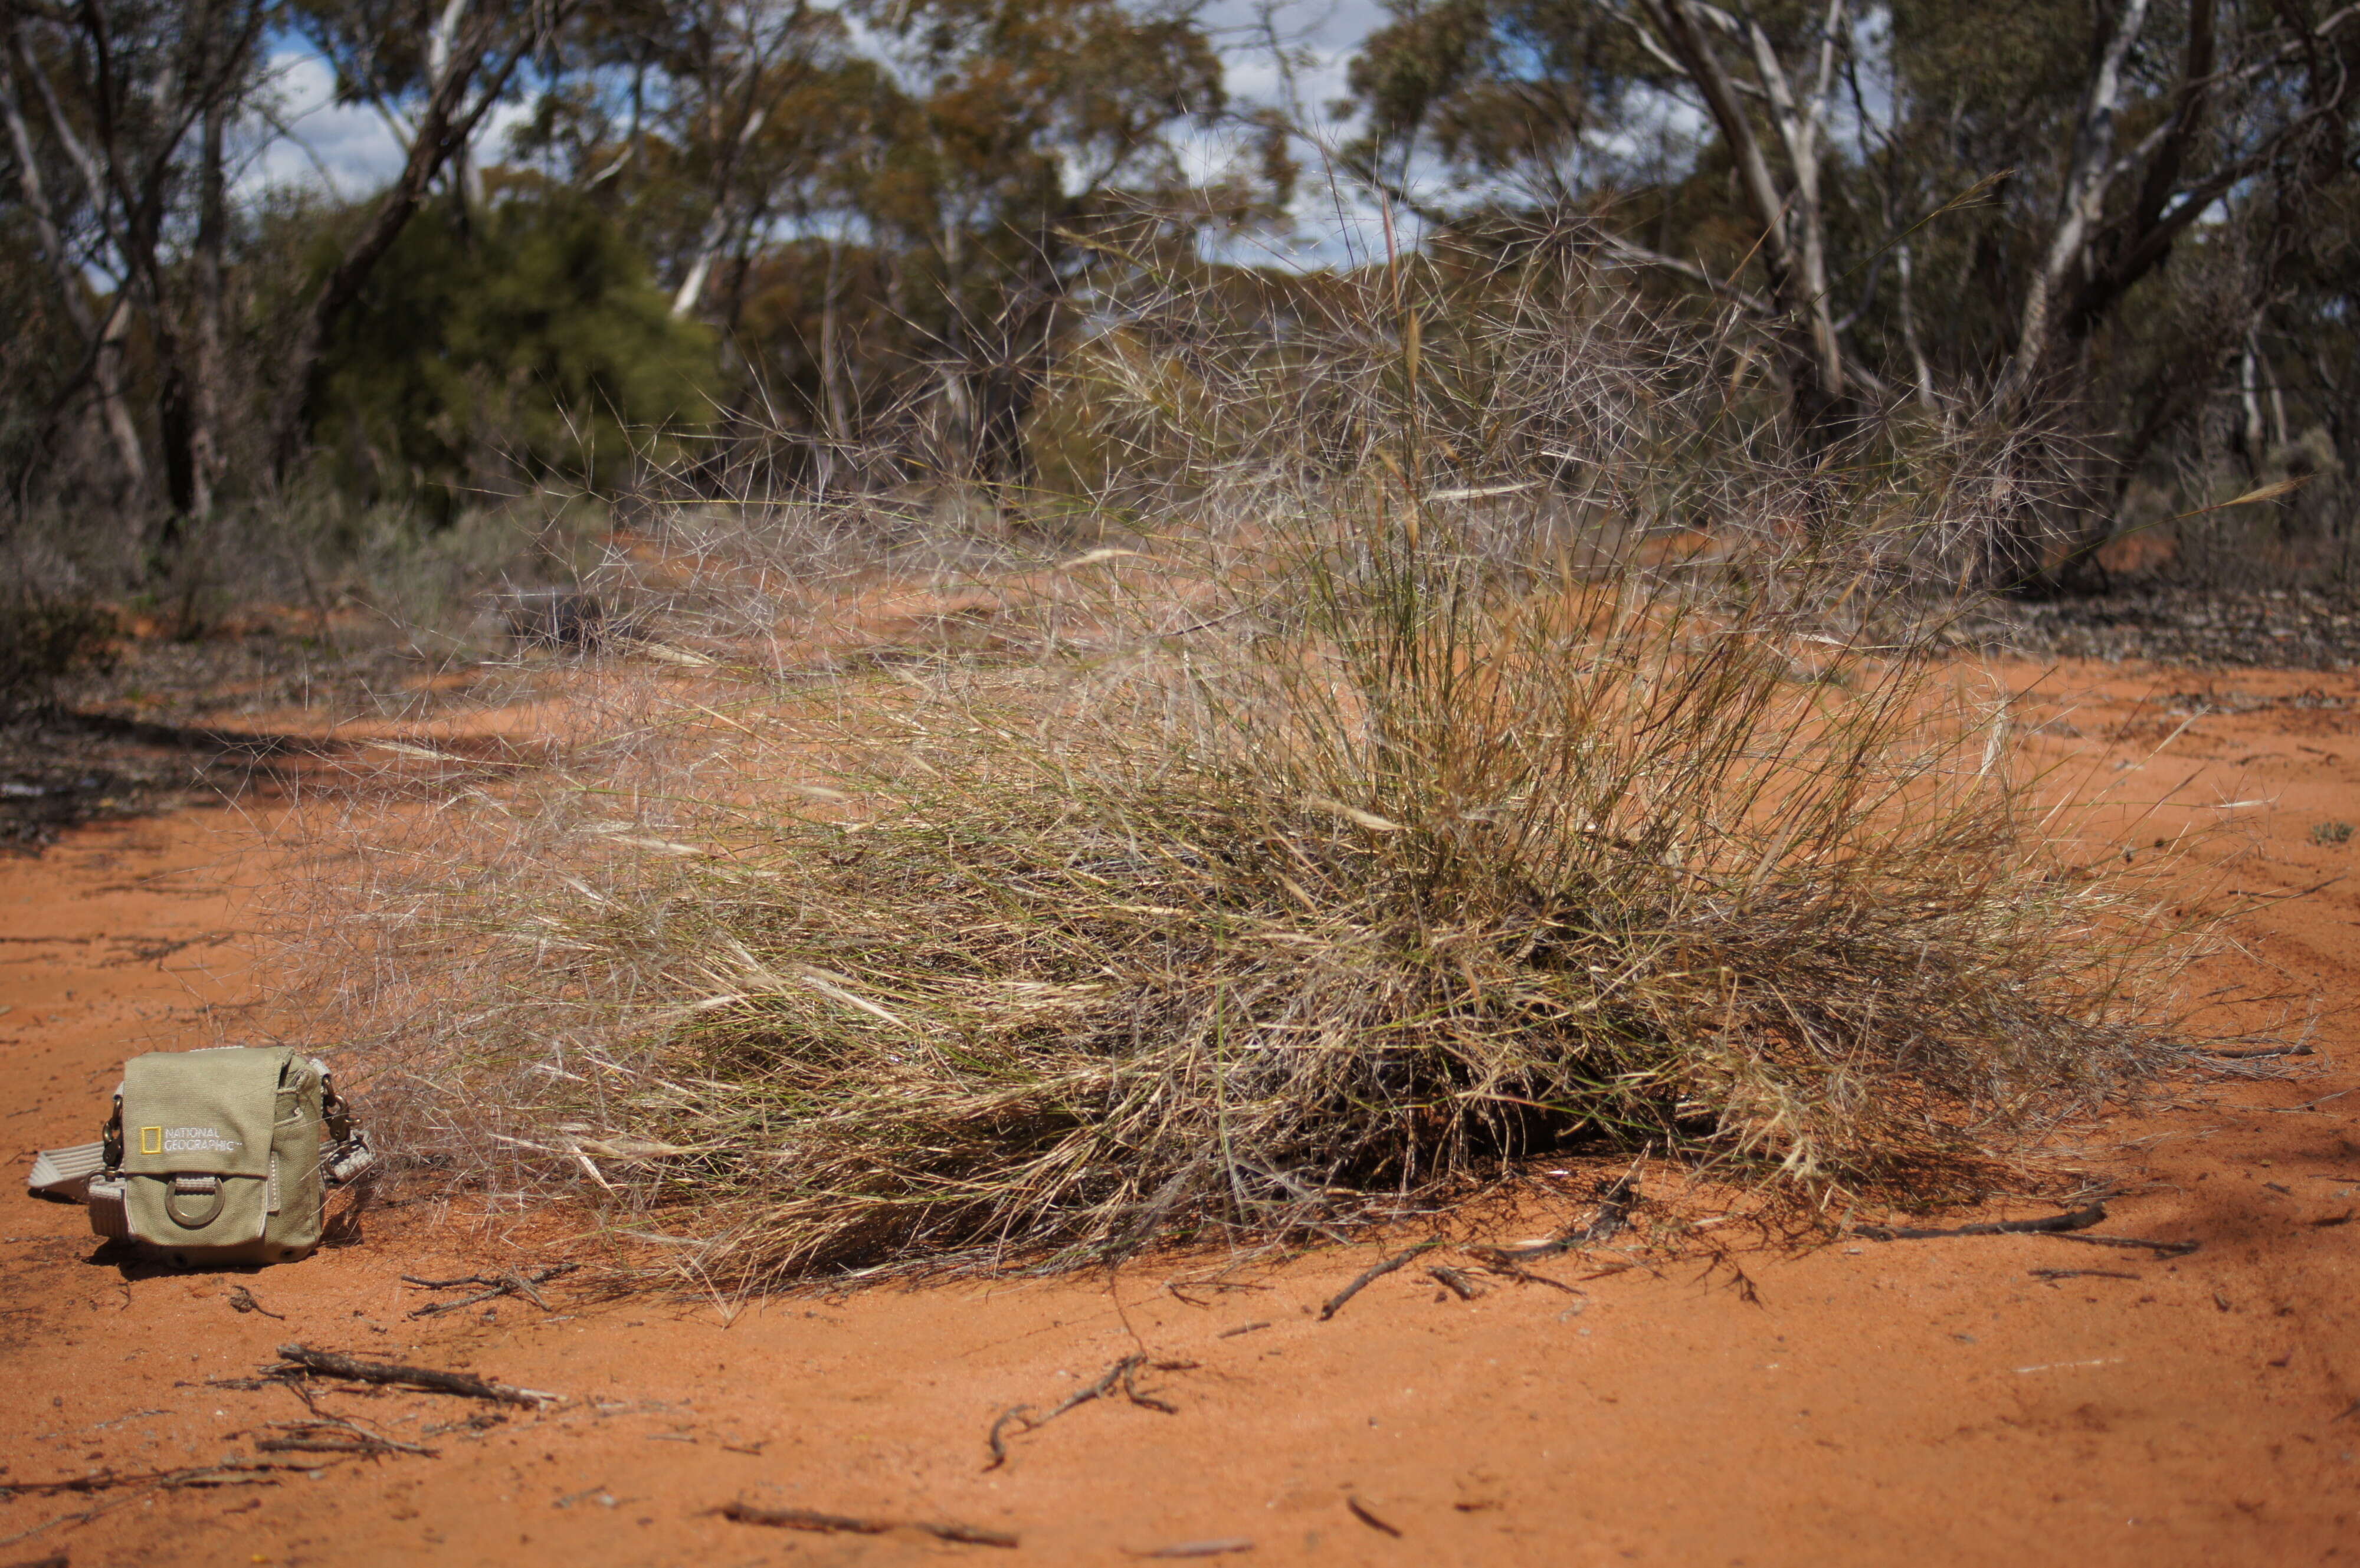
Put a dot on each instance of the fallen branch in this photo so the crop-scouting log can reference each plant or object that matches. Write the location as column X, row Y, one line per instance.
column 846, row 1524
column 2257, row 1055
column 303, row 1357
column 1455, row 1281
column 1362, row 1512
column 1335, row 1302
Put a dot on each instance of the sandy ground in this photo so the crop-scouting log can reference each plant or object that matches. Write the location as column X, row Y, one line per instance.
column 1932, row 1401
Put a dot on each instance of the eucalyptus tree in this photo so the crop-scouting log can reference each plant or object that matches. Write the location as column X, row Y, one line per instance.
column 1824, row 168
column 102, row 104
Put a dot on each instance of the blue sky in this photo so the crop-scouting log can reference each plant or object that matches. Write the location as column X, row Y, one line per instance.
column 312, row 141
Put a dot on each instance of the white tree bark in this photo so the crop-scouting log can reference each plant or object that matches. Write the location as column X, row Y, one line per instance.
column 2088, row 175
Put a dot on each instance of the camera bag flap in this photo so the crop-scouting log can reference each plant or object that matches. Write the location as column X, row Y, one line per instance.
column 217, row 1146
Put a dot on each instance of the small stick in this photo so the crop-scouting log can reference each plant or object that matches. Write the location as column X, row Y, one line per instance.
column 1243, row 1328
column 1122, row 1375
column 1494, row 1261
column 998, row 1443
column 1131, row 1388
column 2257, row 1055
column 1335, row 1302
column 846, row 1524
column 1107, row 1380
column 473, row 1388
column 1195, row 1548
column 1453, row 1280
column 2161, row 1249
column 512, row 1283
column 304, row 1436
column 1361, row 1511
column 2055, row 1274
column 2055, row 1225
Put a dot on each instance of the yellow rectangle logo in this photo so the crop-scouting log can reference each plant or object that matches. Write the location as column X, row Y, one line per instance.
column 151, row 1140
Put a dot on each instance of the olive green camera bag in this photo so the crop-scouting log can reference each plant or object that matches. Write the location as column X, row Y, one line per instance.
column 216, row 1157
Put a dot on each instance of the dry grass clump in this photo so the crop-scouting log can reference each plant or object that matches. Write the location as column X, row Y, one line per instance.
column 1356, row 838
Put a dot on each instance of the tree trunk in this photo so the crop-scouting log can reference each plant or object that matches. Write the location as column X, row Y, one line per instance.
column 102, row 339
column 206, row 398
column 441, row 130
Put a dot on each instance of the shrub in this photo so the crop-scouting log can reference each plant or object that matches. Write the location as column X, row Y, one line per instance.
column 44, row 639
column 1376, row 829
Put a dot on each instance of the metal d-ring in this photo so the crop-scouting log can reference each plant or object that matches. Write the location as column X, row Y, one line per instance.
column 172, row 1203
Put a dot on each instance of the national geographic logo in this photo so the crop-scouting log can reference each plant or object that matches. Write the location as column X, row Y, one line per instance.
column 187, row 1140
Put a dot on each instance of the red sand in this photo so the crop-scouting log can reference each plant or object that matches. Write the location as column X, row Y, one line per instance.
column 1930, row 1401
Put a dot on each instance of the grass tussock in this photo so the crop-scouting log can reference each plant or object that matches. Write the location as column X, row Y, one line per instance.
column 1365, row 830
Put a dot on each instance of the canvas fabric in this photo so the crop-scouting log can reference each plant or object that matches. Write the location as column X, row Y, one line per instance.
column 220, row 1154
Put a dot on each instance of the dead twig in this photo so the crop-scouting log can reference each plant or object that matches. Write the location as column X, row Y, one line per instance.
column 847, row 1524
column 2161, row 1249
column 1366, row 1515
column 1195, row 1548
column 1123, row 1374
column 2053, row 1275
column 2054, row 1224
column 303, row 1357
column 1455, row 1281
column 103, row 1481
column 1243, row 1328
column 333, row 1435
column 1130, row 1389
column 510, row 1283
column 1105, row 1384
column 240, row 1474
column 1335, row 1302
column 1505, row 1265
column 998, row 1439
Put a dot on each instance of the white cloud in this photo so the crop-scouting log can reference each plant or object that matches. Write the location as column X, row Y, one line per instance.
column 309, row 139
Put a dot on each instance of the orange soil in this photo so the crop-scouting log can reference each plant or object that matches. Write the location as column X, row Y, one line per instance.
column 1926, row 1400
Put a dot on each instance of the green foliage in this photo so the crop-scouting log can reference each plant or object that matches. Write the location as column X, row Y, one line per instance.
column 525, row 346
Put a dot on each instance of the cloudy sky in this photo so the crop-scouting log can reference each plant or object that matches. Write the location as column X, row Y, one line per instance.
column 310, row 140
